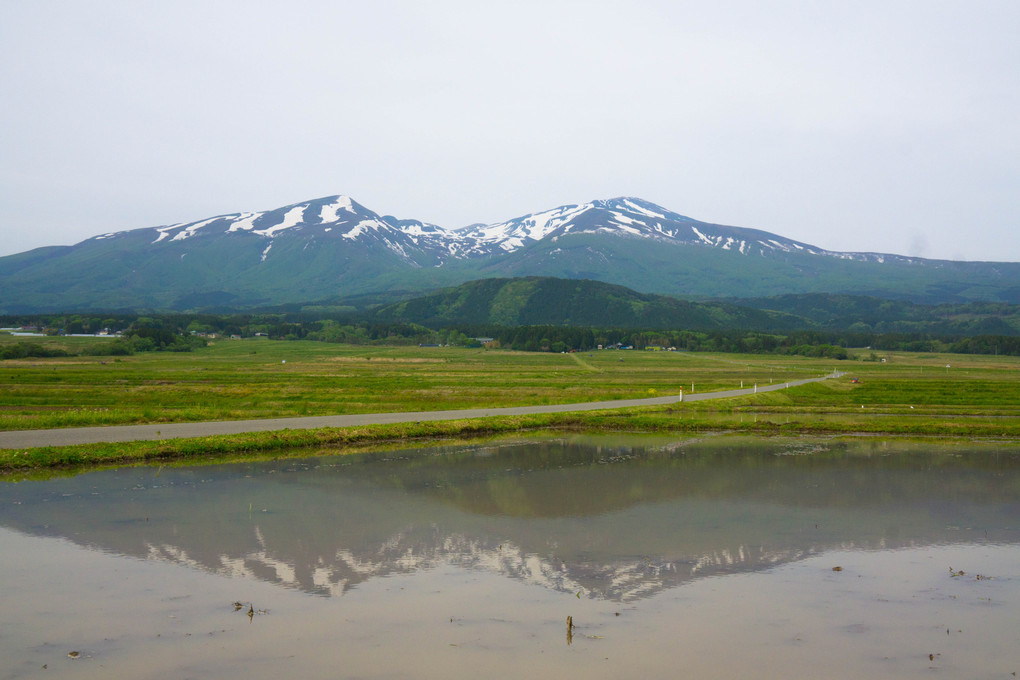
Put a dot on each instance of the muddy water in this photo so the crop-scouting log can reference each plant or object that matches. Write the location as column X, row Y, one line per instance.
column 717, row 558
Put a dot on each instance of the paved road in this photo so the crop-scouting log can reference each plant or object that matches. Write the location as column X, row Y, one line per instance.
column 23, row 439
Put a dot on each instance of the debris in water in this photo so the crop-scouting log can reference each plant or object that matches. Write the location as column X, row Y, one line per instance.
column 837, row 568
column 238, row 606
column 73, row 655
column 570, row 630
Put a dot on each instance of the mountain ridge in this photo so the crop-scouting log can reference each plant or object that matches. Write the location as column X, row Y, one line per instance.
column 335, row 247
column 600, row 215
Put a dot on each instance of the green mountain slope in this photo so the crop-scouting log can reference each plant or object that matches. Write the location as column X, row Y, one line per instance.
column 570, row 302
column 698, row 271
column 870, row 314
column 333, row 248
column 534, row 301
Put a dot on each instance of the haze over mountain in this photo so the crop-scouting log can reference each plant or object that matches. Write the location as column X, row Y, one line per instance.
column 334, row 247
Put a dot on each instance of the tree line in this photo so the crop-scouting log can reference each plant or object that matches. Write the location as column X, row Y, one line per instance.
column 181, row 332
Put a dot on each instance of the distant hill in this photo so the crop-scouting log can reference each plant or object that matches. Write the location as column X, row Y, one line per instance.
column 536, row 300
column 536, row 312
column 869, row 314
column 334, row 247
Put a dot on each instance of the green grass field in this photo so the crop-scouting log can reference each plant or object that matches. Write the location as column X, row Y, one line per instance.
column 261, row 378
column 977, row 397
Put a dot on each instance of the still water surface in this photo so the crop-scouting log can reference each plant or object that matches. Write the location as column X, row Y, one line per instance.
column 726, row 557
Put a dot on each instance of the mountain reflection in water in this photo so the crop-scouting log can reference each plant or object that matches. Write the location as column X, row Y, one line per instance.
column 606, row 518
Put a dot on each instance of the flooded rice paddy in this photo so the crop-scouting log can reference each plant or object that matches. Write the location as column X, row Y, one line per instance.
column 726, row 557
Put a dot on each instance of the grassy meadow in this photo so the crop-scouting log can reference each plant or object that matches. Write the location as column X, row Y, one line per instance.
column 907, row 394
column 261, row 378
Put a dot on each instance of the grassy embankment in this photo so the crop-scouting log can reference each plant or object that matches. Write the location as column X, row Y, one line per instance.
column 908, row 395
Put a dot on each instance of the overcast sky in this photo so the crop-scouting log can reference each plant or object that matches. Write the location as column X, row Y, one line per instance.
column 867, row 126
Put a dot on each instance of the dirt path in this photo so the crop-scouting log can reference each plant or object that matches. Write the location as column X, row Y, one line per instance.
column 23, row 439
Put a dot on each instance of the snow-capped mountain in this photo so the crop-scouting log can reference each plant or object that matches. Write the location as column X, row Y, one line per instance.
column 624, row 216
column 331, row 217
column 634, row 217
column 334, row 247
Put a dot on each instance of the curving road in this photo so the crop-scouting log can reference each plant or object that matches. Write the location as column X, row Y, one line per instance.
column 23, row 439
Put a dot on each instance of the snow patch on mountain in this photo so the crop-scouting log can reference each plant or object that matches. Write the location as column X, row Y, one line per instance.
column 511, row 235
column 363, row 226
column 640, row 209
column 294, row 217
column 246, row 222
column 421, row 229
column 190, row 229
column 543, row 224
column 331, row 212
column 702, row 236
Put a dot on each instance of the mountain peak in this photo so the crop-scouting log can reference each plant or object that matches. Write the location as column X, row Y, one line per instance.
column 622, row 216
column 329, row 211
